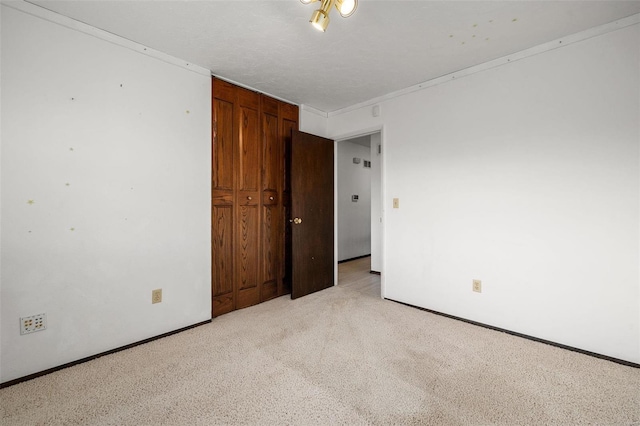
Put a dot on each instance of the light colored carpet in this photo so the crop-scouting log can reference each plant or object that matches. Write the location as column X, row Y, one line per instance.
column 341, row 356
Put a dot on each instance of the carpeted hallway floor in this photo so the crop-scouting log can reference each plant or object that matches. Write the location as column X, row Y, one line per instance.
column 340, row 356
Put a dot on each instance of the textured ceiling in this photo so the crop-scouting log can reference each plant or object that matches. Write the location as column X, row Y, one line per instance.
column 384, row 47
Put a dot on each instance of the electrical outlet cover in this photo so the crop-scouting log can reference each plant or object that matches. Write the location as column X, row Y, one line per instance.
column 33, row 323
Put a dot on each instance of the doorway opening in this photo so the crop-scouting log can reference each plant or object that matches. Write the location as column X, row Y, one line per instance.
column 358, row 205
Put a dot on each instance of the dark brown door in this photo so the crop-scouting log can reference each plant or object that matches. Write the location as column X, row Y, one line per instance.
column 311, row 213
column 251, row 135
column 248, row 166
column 272, row 178
column 223, row 208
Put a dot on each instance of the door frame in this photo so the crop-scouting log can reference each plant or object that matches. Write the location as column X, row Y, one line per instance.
column 383, row 191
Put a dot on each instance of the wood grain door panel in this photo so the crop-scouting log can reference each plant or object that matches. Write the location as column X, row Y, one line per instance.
column 272, row 183
column 222, row 259
column 248, row 255
column 248, row 175
column 271, row 259
column 312, row 201
column 222, row 198
column 272, row 165
column 222, row 149
column 250, row 148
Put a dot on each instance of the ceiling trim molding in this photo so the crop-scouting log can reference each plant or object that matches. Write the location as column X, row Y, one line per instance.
column 536, row 50
column 48, row 15
column 313, row 110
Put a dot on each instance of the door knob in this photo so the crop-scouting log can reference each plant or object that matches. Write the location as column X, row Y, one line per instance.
column 296, row 220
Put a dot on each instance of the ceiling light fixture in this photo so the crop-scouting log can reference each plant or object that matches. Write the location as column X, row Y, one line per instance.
column 320, row 17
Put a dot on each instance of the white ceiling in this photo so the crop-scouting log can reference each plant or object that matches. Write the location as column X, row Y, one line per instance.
column 384, row 47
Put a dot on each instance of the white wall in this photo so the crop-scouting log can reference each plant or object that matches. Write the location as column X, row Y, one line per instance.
column 525, row 176
column 376, row 203
column 354, row 218
column 312, row 121
column 113, row 147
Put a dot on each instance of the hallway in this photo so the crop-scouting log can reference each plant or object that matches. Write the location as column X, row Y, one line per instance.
column 355, row 275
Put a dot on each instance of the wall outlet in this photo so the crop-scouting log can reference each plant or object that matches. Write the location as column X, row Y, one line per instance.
column 477, row 286
column 156, row 296
column 33, row 323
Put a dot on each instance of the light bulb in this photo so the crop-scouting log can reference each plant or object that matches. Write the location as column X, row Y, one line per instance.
column 347, row 7
column 319, row 20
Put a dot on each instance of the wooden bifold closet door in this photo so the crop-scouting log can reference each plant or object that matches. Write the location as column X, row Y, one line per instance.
column 249, row 139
